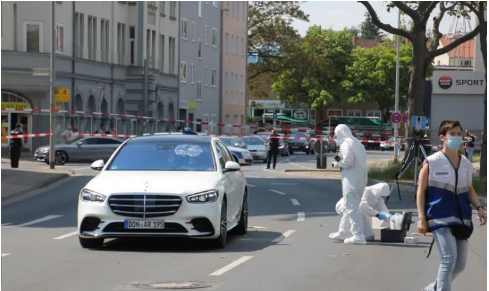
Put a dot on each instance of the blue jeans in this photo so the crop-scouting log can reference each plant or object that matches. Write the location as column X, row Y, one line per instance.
column 453, row 254
column 470, row 154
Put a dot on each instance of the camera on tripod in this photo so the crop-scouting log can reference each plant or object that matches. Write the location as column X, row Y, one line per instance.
column 419, row 133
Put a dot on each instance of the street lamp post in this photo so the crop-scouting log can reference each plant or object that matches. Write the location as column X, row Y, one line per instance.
column 51, row 88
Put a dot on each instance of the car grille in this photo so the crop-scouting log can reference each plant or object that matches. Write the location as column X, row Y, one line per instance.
column 169, row 228
column 144, row 205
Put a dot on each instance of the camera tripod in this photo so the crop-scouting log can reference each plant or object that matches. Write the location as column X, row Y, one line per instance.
column 412, row 156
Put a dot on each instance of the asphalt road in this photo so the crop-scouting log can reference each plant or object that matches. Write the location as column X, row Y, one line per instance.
column 286, row 248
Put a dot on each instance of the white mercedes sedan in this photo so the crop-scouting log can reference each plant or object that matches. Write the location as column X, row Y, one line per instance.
column 165, row 186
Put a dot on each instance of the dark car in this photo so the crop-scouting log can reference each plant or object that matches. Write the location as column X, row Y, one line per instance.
column 300, row 142
column 87, row 149
column 332, row 147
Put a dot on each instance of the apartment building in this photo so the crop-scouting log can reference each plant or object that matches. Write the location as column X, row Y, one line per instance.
column 117, row 57
column 234, row 36
column 200, row 63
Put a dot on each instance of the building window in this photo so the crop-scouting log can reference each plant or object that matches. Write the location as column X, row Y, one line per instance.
column 214, row 3
column 104, row 39
column 33, row 39
column 192, row 73
column 172, row 55
column 237, row 9
column 231, row 87
column 354, row 113
column 205, row 76
column 373, row 113
column 226, row 84
column 227, row 42
column 162, row 8
column 121, row 43
column 60, row 48
column 132, row 35
column 214, row 37
column 162, row 53
column 335, row 112
column 78, row 35
column 193, row 31
column 184, row 29
column 92, row 38
column 183, row 72
column 199, row 90
column 214, row 78
column 200, row 9
column 199, row 49
column 173, row 10
column 243, row 47
column 152, row 4
column 206, row 35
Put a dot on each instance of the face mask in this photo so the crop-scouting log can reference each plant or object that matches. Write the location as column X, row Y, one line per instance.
column 454, row 142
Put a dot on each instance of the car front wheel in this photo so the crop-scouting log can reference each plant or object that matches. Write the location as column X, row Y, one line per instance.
column 91, row 243
column 220, row 241
column 60, row 158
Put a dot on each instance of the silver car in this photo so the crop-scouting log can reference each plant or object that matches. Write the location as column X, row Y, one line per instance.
column 80, row 149
column 257, row 147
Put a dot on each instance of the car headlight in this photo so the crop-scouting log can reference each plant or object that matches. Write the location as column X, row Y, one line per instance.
column 43, row 150
column 306, row 143
column 204, row 197
column 91, row 196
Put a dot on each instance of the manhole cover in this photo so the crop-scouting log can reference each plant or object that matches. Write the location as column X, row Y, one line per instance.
column 175, row 285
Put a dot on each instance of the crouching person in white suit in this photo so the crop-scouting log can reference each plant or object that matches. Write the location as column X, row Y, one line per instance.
column 373, row 204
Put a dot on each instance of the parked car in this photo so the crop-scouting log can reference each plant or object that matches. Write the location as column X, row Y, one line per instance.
column 283, row 147
column 257, row 147
column 164, row 186
column 241, row 156
column 302, row 144
column 389, row 144
column 233, row 142
column 332, row 146
column 264, row 135
column 81, row 149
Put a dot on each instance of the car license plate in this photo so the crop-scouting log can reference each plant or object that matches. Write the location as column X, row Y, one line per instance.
column 294, row 147
column 144, row 224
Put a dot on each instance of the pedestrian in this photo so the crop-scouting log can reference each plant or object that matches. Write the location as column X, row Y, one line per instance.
column 353, row 161
column 112, row 129
column 75, row 133
column 444, row 196
column 274, row 142
column 373, row 205
column 469, row 143
column 16, row 145
column 101, row 130
column 67, row 134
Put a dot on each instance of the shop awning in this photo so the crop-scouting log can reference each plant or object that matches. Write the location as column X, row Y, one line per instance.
column 364, row 122
column 288, row 119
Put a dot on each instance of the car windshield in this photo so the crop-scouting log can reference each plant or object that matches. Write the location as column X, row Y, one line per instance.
column 252, row 141
column 299, row 134
column 227, row 141
column 163, row 156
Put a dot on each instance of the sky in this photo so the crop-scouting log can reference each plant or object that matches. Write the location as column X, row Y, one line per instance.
column 340, row 14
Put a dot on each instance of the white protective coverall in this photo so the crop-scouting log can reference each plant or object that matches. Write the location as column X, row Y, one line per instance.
column 354, row 180
column 372, row 204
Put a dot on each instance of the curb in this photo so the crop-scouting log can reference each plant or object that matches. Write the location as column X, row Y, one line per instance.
column 37, row 186
column 311, row 170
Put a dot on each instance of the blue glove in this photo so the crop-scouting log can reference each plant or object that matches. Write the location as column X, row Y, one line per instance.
column 381, row 216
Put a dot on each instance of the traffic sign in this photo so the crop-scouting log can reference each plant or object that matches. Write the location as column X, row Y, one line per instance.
column 419, row 122
column 405, row 118
column 275, row 116
column 396, row 117
column 62, row 95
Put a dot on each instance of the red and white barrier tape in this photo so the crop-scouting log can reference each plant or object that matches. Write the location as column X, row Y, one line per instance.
column 79, row 135
column 107, row 114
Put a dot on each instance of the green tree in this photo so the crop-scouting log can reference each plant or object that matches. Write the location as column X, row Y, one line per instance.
column 423, row 53
column 270, row 24
column 368, row 29
column 353, row 31
column 315, row 68
column 372, row 76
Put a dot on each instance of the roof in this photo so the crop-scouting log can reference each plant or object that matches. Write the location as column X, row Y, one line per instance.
column 170, row 138
column 465, row 50
column 367, row 43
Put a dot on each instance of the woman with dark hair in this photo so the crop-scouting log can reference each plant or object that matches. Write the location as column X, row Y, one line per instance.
column 444, row 196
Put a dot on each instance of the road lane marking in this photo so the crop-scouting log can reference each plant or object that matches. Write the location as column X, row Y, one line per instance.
column 252, row 176
column 275, row 191
column 285, row 184
column 283, row 236
column 252, row 186
column 5, row 224
column 66, row 235
column 301, row 216
column 295, row 202
column 231, row 266
column 42, row 219
column 4, row 255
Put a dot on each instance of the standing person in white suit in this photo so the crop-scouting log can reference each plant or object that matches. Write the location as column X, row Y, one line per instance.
column 353, row 161
column 373, row 204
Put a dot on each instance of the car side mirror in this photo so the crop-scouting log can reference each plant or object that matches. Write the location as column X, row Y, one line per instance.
column 232, row 167
column 79, row 144
column 236, row 145
column 98, row 165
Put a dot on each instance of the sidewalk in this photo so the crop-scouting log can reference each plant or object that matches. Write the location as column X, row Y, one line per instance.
column 30, row 175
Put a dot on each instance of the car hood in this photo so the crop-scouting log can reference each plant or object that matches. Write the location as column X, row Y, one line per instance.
column 108, row 182
column 292, row 140
column 257, row 147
